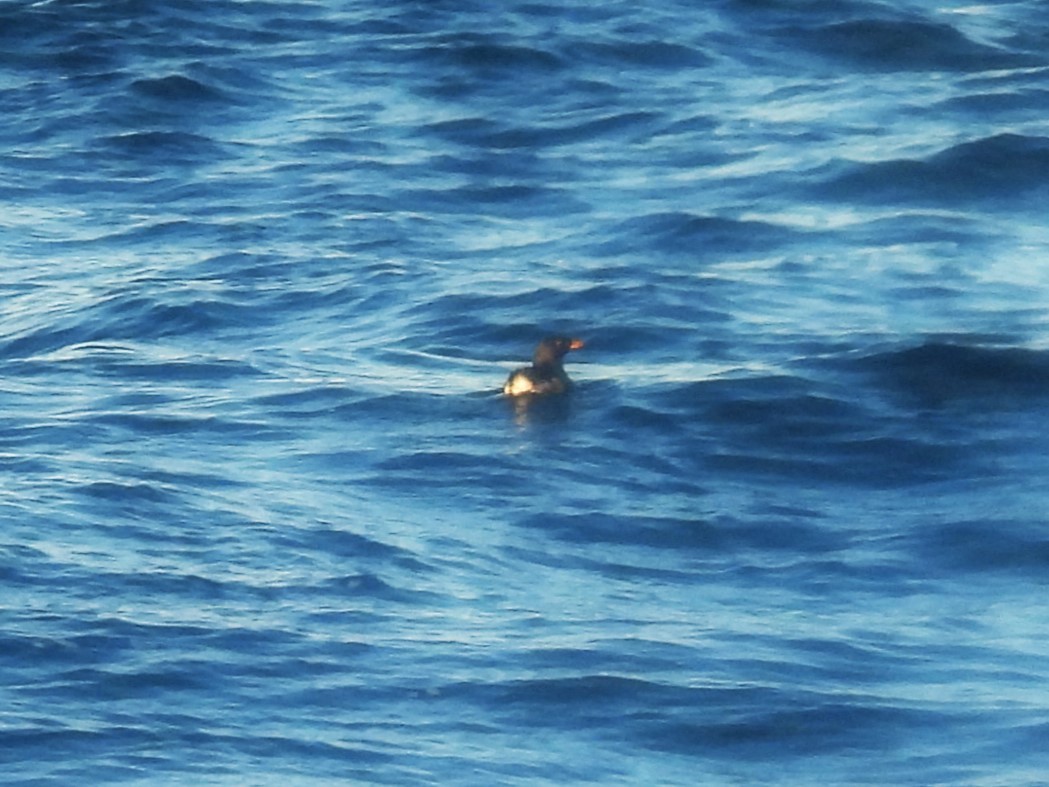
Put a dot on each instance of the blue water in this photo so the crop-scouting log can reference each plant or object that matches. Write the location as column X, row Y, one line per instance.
column 266, row 519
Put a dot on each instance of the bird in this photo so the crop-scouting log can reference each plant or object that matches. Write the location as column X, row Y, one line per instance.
column 546, row 375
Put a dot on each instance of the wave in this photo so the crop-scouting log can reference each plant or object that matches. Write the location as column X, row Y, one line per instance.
column 808, row 432
column 492, row 135
column 178, row 89
column 173, row 147
column 695, row 234
column 116, row 328
column 502, row 201
column 970, row 545
column 916, row 226
column 655, row 54
column 1009, row 167
column 809, row 726
column 783, row 534
column 906, row 44
column 480, row 53
column 1017, row 104
column 939, row 373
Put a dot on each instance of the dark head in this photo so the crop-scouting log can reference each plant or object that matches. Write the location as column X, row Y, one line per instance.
column 553, row 348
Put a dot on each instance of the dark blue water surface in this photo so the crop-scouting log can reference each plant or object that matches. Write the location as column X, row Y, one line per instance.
column 265, row 518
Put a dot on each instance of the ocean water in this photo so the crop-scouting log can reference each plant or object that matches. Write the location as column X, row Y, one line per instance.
column 265, row 518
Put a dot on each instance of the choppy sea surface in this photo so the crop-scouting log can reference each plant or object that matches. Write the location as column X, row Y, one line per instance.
column 266, row 519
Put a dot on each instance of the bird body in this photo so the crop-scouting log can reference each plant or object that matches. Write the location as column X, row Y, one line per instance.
column 546, row 375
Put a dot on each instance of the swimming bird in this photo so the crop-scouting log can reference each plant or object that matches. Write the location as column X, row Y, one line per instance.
column 546, row 374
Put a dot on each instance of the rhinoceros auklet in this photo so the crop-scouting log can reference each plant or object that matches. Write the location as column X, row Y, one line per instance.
column 545, row 375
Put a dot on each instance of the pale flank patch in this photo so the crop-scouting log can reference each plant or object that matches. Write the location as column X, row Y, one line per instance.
column 518, row 384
